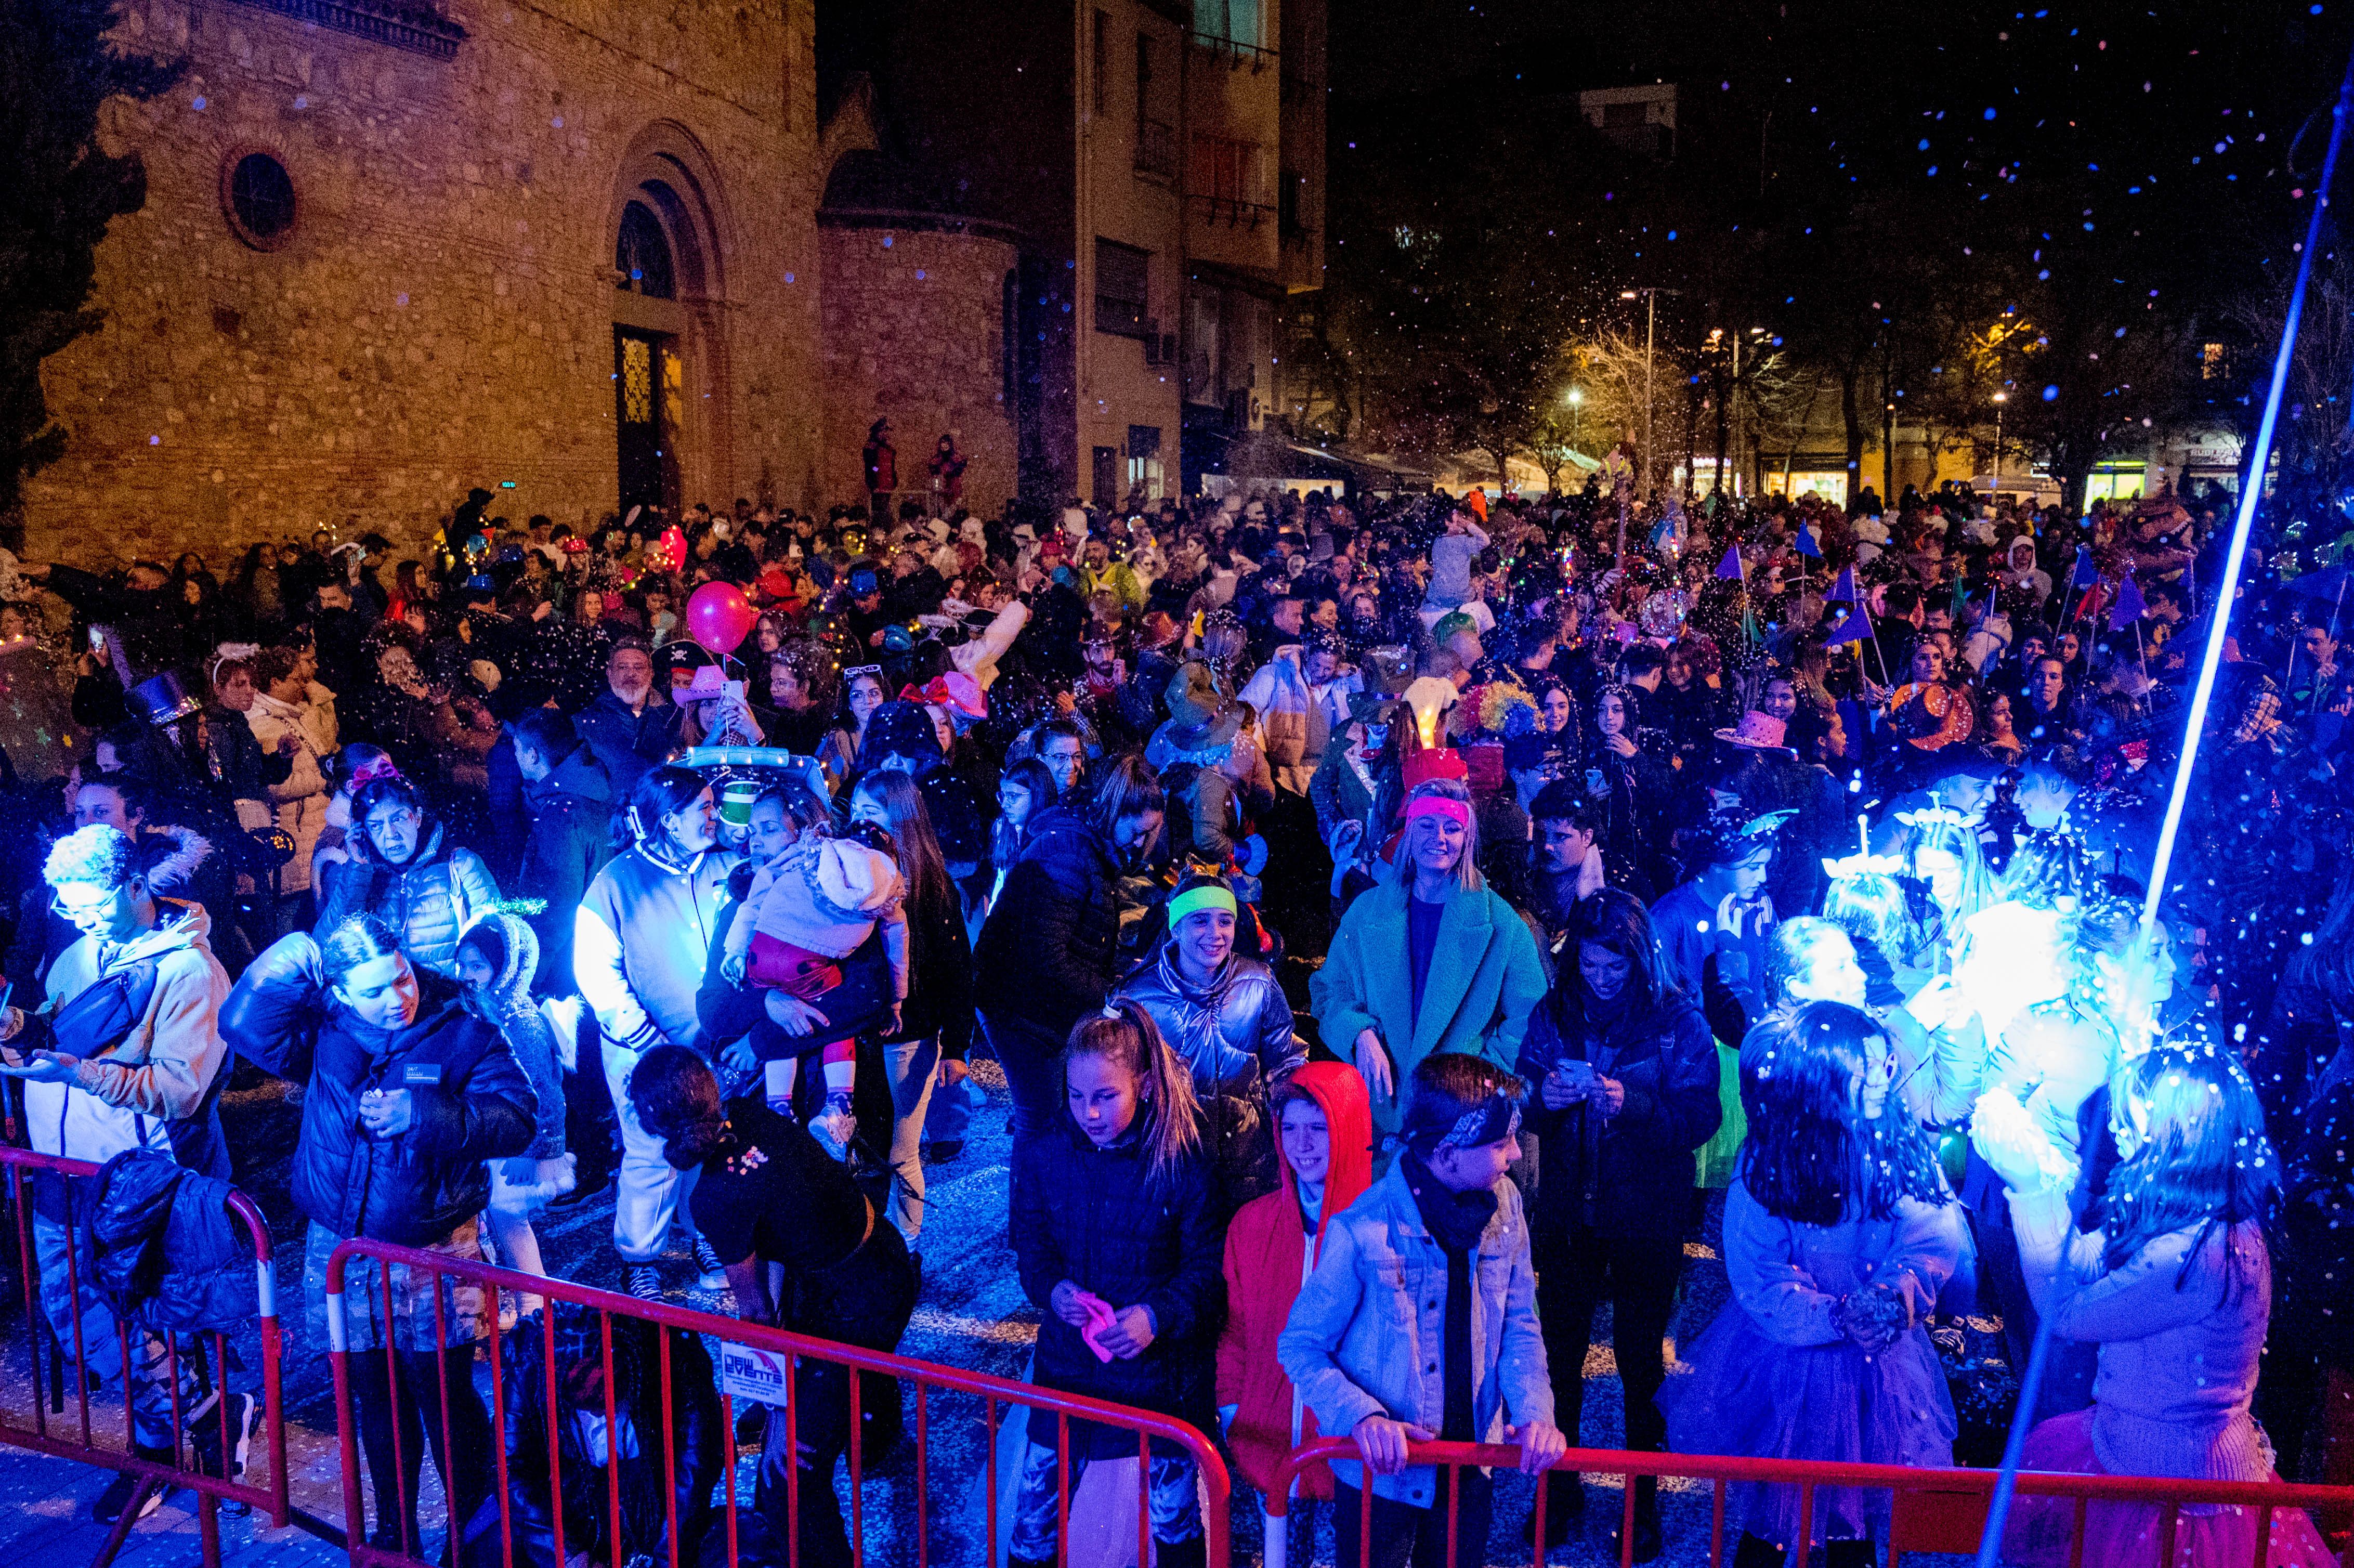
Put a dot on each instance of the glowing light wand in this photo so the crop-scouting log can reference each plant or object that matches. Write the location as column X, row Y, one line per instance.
column 2251, row 492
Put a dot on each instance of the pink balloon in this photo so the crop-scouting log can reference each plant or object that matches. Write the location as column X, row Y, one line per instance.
column 719, row 617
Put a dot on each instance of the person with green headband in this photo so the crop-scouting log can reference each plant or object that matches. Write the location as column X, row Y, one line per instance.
column 1222, row 1010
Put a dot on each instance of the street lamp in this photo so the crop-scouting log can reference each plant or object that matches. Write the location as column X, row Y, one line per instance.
column 1999, row 399
column 1576, row 399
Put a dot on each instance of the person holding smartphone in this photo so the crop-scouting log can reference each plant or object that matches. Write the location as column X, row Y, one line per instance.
column 1626, row 1073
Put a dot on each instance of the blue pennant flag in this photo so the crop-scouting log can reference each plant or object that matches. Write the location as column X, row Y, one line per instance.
column 1854, row 629
column 2084, row 574
column 1806, row 543
column 1842, row 589
column 2130, row 606
column 1729, row 567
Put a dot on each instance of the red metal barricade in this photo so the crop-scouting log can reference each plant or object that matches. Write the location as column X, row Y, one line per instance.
column 68, row 1424
column 930, row 1383
column 1934, row 1510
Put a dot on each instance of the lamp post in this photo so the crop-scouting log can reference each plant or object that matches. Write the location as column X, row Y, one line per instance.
column 1650, row 298
column 1999, row 399
column 1576, row 399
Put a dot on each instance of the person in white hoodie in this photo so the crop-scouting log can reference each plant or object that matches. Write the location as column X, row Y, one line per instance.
column 287, row 702
column 125, row 1052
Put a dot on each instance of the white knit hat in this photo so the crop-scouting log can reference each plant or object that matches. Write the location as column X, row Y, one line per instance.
column 844, row 888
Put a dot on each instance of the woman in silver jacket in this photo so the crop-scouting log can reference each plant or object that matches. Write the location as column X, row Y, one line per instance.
column 1227, row 1016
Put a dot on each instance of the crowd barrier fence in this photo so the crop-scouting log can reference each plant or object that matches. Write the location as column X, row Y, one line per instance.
column 69, row 1424
column 784, row 1354
column 1933, row 1511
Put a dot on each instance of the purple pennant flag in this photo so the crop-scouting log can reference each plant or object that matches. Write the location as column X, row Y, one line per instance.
column 2084, row 574
column 1804, row 542
column 1729, row 567
column 1842, row 589
column 1854, row 629
column 2130, row 606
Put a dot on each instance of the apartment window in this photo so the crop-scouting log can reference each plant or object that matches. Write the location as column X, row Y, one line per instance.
column 1228, row 21
column 1143, row 77
column 1145, row 475
column 2215, row 361
column 1120, row 297
column 1103, row 62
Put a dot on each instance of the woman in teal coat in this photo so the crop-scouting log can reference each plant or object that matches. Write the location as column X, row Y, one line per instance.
column 1428, row 960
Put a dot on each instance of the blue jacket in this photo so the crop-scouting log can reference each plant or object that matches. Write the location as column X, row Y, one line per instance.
column 429, row 902
column 629, row 745
column 1368, row 1330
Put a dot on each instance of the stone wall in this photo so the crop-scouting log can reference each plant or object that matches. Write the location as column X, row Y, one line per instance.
column 441, row 313
column 913, row 331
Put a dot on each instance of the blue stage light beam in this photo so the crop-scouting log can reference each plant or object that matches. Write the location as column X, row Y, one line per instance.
column 2251, row 491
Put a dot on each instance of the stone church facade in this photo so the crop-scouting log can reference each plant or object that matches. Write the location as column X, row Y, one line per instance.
column 391, row 251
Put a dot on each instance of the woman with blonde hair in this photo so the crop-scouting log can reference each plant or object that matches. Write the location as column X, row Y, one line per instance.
column 1471, row 971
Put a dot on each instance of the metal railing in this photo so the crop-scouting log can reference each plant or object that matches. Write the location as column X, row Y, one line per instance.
column 1931, row 1510
column 788, row 1355
column 184, row 1371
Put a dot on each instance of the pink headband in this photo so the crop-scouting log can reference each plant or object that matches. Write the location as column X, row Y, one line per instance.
column 1438, row 806
column 373, row 768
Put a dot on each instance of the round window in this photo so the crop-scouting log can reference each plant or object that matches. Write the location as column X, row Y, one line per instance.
column 260, row 200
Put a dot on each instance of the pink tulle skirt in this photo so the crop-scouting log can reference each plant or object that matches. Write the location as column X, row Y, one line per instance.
column 2125, row 1535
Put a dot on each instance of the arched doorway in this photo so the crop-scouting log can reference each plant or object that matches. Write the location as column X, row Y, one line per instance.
column 649, row 368
column 672, row 416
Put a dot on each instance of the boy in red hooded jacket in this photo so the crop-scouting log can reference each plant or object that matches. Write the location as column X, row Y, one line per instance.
column 1324, row 1133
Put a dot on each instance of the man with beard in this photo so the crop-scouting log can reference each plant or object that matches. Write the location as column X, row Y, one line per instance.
column 631, row 726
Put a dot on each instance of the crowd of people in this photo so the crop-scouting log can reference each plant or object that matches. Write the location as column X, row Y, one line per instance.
column 1402, row 924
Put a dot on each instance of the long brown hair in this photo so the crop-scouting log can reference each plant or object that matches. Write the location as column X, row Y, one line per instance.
column 1124, row 1032
column 909, row 821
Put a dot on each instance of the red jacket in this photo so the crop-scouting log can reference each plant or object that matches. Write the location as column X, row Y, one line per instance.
column 1266, row 1257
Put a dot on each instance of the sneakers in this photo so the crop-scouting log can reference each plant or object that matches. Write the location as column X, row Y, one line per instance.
column 119, row 1492
column 835, row 1125
column 213, row 1458
column 714, row 1277
column 645, row 1282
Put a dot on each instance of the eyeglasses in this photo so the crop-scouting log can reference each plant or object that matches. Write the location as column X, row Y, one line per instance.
column 857, row 670
column 85, row 912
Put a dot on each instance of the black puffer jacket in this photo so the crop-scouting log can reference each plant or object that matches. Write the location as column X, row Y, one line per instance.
column 1630, row 1175
column 1049, row 950
column 165, row 1251
column 472, row 1101
column 1095, row 1217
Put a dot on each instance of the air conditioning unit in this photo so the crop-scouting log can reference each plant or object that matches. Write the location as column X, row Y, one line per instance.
column 1152, row 341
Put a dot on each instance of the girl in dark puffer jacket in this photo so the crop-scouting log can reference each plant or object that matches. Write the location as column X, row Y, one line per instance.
column 407, row 1096
column 1119, row 1236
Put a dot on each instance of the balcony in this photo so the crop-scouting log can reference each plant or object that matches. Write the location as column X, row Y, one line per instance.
column 1156, row 149
column 1234, row 55
column 1230, row 211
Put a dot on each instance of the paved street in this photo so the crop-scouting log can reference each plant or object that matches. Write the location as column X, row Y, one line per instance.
column 973, row 1315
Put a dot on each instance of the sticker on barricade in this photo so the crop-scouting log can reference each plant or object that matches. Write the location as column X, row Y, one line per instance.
column 764, row 1377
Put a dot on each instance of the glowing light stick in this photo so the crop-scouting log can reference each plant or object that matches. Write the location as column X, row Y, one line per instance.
column 2251, row 492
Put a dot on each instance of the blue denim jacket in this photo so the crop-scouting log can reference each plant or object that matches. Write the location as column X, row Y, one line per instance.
column 1367, row 1331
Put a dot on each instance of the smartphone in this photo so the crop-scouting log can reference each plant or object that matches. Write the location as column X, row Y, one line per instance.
column 98, row 641
column 1576, row 1072
column 735, row 689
